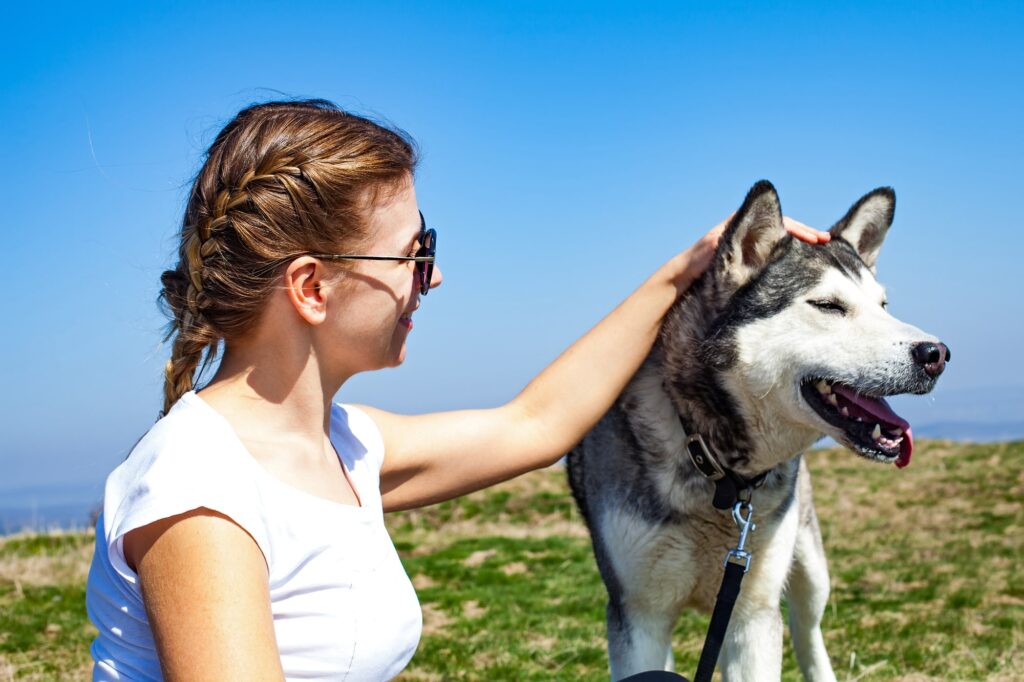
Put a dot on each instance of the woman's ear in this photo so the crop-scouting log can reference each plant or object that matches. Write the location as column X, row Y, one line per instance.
column 304, row 282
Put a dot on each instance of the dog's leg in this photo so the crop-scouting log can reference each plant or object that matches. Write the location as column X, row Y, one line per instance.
column 807, row 594
column 646, row 567
column 638, row 641
column 752, row 650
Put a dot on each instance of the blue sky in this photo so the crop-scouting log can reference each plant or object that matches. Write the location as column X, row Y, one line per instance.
column 568, row 149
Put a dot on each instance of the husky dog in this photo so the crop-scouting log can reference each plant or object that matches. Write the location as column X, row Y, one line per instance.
column 776, row 344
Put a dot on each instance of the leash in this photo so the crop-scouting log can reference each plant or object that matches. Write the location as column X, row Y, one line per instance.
column 731, row 491
column 737, row 563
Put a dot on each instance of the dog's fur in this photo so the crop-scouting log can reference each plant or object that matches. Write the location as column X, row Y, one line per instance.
column 737, row 360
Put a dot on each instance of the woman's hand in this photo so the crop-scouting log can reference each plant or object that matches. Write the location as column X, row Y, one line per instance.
column 805, row 233
column 696, row 259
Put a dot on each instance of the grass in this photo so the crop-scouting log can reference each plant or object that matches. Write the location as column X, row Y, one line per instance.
column 44, row 632
column 925, row 563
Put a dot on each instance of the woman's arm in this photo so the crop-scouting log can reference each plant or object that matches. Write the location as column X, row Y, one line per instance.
column 204, row 584
column 433, row 457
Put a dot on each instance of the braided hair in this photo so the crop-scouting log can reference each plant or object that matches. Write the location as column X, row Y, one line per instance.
column 281, row 179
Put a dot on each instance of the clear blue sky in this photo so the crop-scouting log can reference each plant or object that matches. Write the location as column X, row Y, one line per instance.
column 568, row 149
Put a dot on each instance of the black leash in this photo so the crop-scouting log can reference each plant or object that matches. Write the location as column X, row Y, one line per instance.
column 731, row 491
column 737, row 562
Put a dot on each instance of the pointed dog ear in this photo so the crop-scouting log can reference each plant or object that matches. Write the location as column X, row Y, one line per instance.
column 865, row 225
column 751, row 234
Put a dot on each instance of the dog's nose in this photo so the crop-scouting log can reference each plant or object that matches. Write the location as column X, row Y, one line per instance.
column 932, row 357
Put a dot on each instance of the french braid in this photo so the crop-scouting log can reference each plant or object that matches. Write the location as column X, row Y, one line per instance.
column 280, row 179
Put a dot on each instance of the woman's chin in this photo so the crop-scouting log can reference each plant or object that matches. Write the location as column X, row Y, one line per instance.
column 398, row 359
column 398, row 346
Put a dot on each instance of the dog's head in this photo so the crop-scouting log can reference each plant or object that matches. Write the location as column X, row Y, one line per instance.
column 793, row 340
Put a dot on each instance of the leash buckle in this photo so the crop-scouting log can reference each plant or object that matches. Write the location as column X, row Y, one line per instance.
column 738, row 555
column 702, row 458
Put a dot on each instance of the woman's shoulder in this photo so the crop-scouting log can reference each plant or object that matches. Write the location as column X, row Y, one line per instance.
column 361, row 440
column 189, row 436
column 189, row 459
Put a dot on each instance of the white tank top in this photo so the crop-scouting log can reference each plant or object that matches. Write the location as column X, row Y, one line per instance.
column 343, row 606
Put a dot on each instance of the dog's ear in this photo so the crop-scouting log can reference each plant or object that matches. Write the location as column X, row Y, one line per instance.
column 865, row 225
column 751, row 235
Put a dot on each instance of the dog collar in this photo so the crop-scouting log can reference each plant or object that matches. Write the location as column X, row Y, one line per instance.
column 730, row 487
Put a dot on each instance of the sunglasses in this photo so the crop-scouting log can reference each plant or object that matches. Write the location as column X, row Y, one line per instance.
column 424, row 257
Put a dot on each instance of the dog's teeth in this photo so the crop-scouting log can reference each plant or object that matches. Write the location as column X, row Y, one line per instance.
column 877, row 432
column 832, row 399
column 823, row 387
column 843, row 411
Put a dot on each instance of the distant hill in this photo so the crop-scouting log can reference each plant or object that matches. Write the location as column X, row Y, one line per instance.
column 978, row 414
column 976, row 431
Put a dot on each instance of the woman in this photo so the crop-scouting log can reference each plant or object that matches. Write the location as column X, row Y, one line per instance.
column 243, row 537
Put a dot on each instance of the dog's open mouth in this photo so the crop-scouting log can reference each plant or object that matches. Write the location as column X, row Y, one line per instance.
column 869, row 425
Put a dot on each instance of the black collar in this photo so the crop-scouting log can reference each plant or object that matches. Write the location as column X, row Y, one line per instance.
column 730, row 487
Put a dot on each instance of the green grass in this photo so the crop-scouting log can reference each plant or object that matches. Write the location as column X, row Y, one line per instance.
column 927, row 582
column 44, row 632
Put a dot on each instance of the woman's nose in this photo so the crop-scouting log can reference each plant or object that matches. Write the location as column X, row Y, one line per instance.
column 435, row 277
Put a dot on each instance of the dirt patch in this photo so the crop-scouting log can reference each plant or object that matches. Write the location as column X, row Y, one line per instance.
column 419, row 676
column 472, row 610
column 478, row 557
column 543, row 643
column 435, row 621
column 515, row 568
column 422, row 581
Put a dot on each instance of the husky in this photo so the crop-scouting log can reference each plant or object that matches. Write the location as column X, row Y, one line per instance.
column 778, row 343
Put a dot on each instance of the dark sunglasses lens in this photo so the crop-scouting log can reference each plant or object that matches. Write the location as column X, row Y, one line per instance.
column 426, row 270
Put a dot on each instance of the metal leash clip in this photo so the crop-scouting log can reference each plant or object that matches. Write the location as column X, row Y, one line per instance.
column 746, row 525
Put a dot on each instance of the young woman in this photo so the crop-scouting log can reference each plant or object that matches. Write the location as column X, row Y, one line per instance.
column 243, row 537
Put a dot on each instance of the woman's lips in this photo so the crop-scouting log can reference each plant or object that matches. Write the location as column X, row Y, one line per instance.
column 406, row 319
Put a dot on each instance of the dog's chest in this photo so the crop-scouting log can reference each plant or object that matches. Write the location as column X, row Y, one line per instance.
column 680, row 557
column 682, row 562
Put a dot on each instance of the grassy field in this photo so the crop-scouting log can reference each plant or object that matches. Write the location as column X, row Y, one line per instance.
column 925, row 564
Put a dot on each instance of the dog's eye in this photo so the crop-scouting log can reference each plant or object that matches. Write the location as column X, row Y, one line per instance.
column 829, row 305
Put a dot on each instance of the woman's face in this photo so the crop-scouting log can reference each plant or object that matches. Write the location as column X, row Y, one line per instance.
column 375, row 300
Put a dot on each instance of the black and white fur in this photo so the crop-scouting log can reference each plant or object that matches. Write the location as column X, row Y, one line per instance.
column 735, row 359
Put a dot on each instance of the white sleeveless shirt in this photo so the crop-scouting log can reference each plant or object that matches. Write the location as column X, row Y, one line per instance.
column 343, row 606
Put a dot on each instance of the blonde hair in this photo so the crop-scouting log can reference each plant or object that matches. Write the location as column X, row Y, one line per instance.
column 281, row 179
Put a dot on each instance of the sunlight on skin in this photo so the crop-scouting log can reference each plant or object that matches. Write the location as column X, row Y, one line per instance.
column 804, row 232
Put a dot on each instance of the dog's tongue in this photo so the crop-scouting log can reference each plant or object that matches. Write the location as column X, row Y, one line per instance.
column 883, row 414
column 906, row 447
